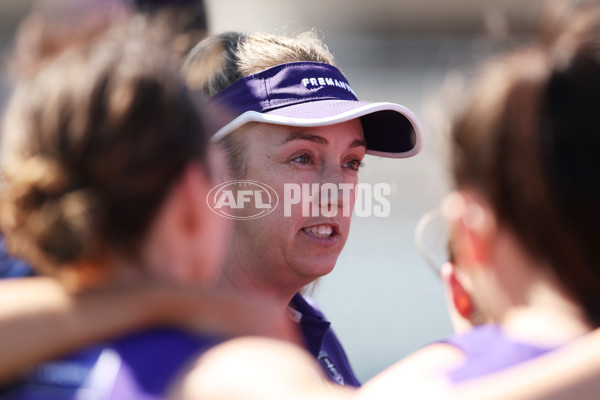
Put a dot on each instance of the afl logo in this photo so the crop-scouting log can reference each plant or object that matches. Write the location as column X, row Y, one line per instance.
column 242, row 199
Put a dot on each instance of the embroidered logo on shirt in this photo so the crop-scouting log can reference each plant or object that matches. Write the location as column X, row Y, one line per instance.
column 329, row 365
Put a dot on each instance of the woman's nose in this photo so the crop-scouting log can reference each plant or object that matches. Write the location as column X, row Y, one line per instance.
column 336, row 191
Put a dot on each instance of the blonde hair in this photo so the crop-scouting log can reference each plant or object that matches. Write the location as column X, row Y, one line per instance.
column 220, row 60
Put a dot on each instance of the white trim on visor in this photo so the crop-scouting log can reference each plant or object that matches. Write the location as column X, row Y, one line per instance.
column 254, row 116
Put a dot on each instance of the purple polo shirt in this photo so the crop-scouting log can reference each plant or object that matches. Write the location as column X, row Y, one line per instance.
column 487, row 349
column 322, row 342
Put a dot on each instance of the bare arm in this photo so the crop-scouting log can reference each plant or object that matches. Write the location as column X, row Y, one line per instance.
column 40, row 320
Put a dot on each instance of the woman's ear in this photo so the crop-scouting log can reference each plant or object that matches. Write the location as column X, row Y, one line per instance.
column 473, row 228
column 473, row 234
column 205, row 231
column 462, row 307
column 458, row 300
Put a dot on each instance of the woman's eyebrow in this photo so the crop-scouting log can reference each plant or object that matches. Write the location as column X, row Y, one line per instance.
column 305, row 136
column 320, row 140
column 358, row 143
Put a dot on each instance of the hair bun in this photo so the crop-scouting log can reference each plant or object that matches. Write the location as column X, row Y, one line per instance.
column 43, row 206
column 44, row 174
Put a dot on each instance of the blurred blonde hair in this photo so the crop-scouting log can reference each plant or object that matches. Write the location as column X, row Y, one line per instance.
column 220, row 60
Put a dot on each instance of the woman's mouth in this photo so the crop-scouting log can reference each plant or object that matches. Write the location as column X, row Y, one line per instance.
column 320, row 231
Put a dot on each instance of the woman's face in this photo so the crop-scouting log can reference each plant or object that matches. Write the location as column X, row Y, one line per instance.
column 294, row 248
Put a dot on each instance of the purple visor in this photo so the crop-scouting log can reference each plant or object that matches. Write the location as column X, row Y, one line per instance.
column 309, row 94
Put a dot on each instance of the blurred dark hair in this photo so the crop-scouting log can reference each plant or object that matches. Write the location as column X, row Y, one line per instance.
column 195, row 12
column 55, row 24
column 186, row 20
column 528, row 141
column 92, row 143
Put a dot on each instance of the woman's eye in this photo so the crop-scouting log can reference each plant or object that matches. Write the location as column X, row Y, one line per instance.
column 354, row 164
column 303, row 159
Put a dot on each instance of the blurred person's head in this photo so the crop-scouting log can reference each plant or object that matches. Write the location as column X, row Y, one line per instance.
column 277, row 97
column 190, row 14
column 525, row 165
column 104, row 165
column 52, row 24
column 185, row 19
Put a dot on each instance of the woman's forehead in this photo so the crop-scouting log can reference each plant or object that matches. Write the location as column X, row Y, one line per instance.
column 349, row 133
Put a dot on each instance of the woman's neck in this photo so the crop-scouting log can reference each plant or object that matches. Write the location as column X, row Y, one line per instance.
column 243, row 277
column 243, row 282
column 547, row 318
column 533, row 305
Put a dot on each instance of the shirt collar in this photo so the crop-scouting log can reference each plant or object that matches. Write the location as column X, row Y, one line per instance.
column 313, row 323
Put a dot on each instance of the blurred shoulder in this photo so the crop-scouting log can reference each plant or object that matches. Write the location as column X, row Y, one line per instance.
column 422, row 373
column 254, row 368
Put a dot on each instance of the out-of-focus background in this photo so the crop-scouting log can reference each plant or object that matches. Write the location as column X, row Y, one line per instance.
column 382, row 299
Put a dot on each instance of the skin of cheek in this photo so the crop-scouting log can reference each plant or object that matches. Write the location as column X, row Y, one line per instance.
column 187, row 241
column 280, row 238
column 209, row 251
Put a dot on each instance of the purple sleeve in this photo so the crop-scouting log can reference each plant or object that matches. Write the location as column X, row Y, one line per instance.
column 486, row 350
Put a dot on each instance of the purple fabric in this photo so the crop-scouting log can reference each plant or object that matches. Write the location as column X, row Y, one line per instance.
column 151, row 360
column 486, row 350
column 56, row 380
column 323, row 344
column 306, row 93
column 144, row 365
column 11, row 267
column 321, row 109
column 148, row 361
column 285, row 85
